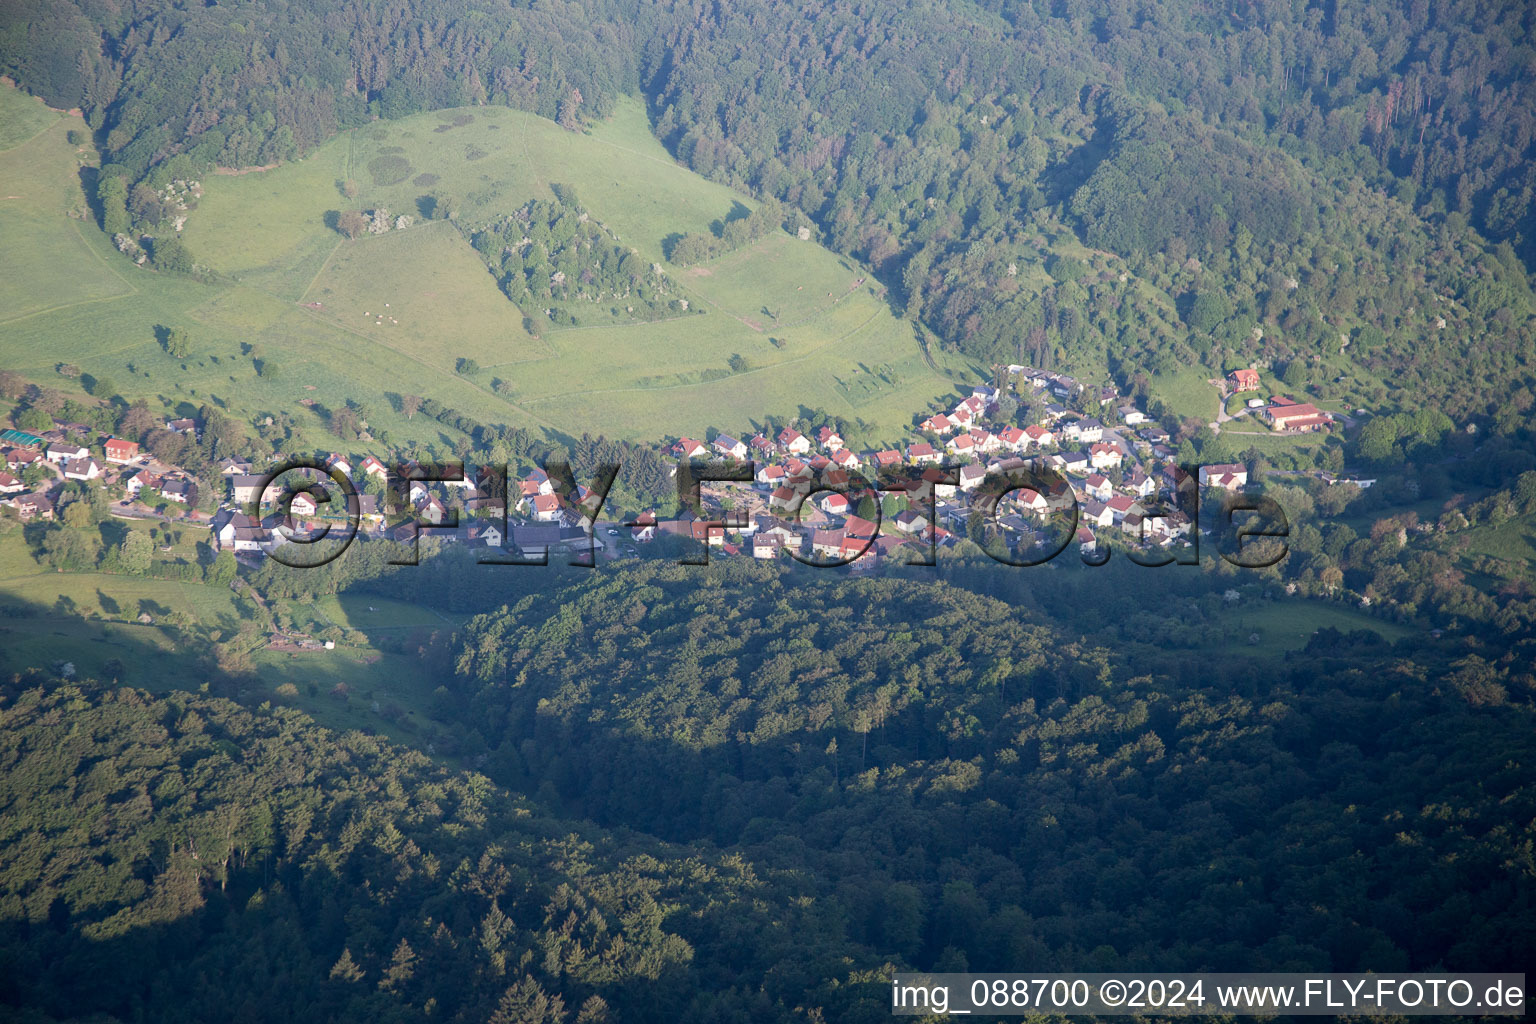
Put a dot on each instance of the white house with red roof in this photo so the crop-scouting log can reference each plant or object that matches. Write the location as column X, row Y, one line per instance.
column 1227, row 475
column 923, row 453
column 373, row 467
column 938, row 424
column 1013, row 439
column 337, row 461
column 835, row 503
column 794, row 442
column 688, row 448
column 546, row 508
column 120, row 452
column 829, row 439
column 784, row 498
column 1105, row 456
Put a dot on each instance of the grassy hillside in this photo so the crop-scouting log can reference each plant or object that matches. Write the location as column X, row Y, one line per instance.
column 288, row 289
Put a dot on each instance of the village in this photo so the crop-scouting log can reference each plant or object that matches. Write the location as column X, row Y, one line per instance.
column 811, row 497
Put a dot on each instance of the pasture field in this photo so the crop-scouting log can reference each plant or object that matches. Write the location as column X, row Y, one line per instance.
column 39, row 191
column 23, row 116
column 1513, row 541
column 1288, row 626
column 286, row 290
column 425, row 294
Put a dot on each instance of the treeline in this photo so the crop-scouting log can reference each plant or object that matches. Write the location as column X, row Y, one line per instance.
column 181, row 89
column 732, row 234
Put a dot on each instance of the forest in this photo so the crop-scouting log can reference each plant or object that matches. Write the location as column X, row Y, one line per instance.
column 746, row 793
column 1357, row 177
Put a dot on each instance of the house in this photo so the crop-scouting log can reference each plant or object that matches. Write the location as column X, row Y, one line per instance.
column 1229, row 476
column 770, row 476
column 1090, row 431
column 1121, row 505
column 246, row 489
column 233, row 466
column 302, row 506
column 688, row 448
column 1038, row 435
column 845, row 458
column 433, row 510
column 971, row 476
column 546, row 508
column 179, row 491
column 10, row 485
column 182, row 426
column 18, row 459
column 793, row 441
column 1131, row 416
column 61, row 452
column 829, row 439
column 1073, row 462
column 760, row 445
column 238, row 532
column 910, row 521
column 1098, row 487
column 1244, row 380
column 886, row 458
column 535, row 541
column 857, row 527
column 339, row 462
column 538, row 482
column 82, row 469
column 21, row 438
column 1096, row 513
column 1013, row 438
column 767, row 545
column 1105, row 456
column 731, row 448
column 484, row 535
column 964, row 444
column 373, row 467
column 32, row 506
column 922, row 453
column 835, row 504
column 1300, row 416
column 985, row 441
column 121, row 452
column 368, row 510
column 933, row 477
column 1139, row 483
column 141, row 481
column 1030, row 499
column 938, row 424
column 643, row 528
column 784, row 498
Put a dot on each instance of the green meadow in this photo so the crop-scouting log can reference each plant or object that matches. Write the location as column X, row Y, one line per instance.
column 372, row 318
